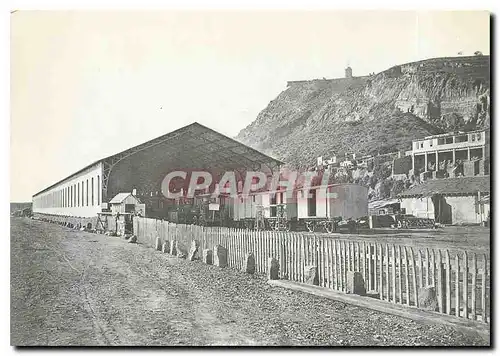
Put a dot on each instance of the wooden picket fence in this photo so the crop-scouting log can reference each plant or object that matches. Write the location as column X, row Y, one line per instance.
column 394, row 273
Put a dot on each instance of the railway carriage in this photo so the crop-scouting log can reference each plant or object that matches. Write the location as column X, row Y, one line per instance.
column 313, row 209
column 324, row 207
column 265, row 210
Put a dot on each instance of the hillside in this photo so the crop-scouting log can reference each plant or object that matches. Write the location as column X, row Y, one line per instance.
column 379, row 113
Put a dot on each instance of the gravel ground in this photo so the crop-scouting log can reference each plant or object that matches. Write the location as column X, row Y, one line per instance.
column 78, row 288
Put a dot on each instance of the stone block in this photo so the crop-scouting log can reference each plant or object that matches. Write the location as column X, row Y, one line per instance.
column 158, row 243
column 193, row 251
column 181, row 253
column 249, row 263
column 273, row 268
column 355, row 283
column 427, row 298
column 165, row 247
column 173, row 250
column 311, row 275
column 220, row 256
column 207, row 256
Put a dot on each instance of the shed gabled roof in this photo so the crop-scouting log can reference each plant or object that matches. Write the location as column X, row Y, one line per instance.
column 192, row 146
column 119, row 198
column 450, row 186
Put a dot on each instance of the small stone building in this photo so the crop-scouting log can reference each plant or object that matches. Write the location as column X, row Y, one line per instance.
column 454, row 201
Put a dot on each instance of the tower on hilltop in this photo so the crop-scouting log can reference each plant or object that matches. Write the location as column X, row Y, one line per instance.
column 348, row 72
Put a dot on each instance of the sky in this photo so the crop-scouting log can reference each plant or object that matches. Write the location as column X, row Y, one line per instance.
column 86, row 85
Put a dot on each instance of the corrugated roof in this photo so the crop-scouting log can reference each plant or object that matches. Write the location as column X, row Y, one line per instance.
column 450, row 186
column 205, row 144
column 119, row 198
column 378, row 204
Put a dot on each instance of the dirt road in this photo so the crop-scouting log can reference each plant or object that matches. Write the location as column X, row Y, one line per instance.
column 78, row 288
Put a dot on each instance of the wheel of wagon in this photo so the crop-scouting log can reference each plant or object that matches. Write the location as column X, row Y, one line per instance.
column 248, row 225
column 329, row 226
column 288, row 226
column 400, row 225
column 310, row 226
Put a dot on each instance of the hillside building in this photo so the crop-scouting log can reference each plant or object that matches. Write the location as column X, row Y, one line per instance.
column 452, row 154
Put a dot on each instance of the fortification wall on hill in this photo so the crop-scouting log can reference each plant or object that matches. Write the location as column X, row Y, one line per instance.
column 465, row 66
column 336, row 83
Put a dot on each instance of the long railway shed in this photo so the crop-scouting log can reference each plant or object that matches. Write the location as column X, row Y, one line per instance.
column 80, row 197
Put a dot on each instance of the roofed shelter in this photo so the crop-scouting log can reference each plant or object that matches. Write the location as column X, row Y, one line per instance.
column 449, row 201
column 143, row 168
column 124, row 203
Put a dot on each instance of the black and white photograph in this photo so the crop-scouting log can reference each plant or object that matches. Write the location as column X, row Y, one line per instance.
column 244, row 177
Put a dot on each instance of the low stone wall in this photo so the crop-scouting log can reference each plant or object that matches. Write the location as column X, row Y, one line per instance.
column 70, row 221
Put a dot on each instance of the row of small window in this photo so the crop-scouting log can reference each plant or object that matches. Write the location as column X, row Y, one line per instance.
column 449, row 140
column 458, row 139
column 76, row 195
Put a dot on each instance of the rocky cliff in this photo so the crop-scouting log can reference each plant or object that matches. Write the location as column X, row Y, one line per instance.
column 379, row 113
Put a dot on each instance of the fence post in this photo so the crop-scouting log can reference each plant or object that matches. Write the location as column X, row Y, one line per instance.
column 473, row 291
column 349, row 256
column 433, row 270
column 457, row 286
column 381, row 269
column 483, row 289
column 427, row 271
column 448, row 283
column 330, row 261
column 302, row 256
column 400, row 279
column 388, row 287
column 466, row 285
column 363, row 263
column 335, row 262
column 414, row 276
column 439, row 284
column 420, row 269
column 393, row 273
column 373, row 262
column 358, row 257
column 407, row 276
column 341, row 266
column 345, row 266
column 370, row 269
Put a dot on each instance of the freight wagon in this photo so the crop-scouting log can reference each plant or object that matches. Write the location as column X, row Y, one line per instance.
column 313, row 209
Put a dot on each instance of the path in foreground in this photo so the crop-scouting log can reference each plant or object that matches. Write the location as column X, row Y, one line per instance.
column 77, row 288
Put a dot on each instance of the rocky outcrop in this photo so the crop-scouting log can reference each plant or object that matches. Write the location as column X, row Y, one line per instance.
column 379, row 113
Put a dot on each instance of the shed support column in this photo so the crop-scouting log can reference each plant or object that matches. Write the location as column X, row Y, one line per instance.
column 425, row 155
column 468, row 154
column 454, row 159
column 413, row 163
